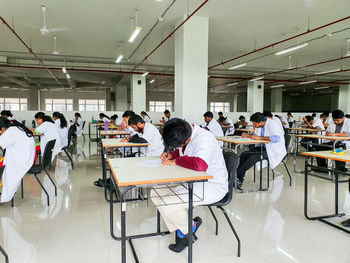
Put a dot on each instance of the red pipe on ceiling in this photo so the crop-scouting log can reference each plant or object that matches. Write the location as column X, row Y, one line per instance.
column 30, row 50
column 281, row 41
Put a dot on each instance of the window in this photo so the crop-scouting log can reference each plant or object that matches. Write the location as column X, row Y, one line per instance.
column 13, row 104
column 92, row 105
column 160, row 106
column 219, row 106
column 59, row 104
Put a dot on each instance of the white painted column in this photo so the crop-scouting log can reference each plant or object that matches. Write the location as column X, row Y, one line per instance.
column 138, row 93
column 191, row 69
column 121, row 98
column 344, row 98
column 235, row 102
column 33, row 101
column 255, row 96
column 276, row 100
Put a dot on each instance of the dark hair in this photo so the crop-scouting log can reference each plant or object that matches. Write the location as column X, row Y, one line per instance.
column 5, row 123
column 102, row 115
column 241, row 117
column 278, row 116
column 309, row 118
column 166, row 112
column 143, row 112
column 314, row 114
column 267, row 114
column 77, row 114
column 347, row 116
column 128, row 113
column 41, row 115
column 135, row 119
column 220, row 113
column 114, row 117
column 221, row 119
column 338, row 114
column 208, row 114
column 289, row 113
column 257, row 117
column 63, row 120
column 326, row 113
column 6, row 113
column 175, row 133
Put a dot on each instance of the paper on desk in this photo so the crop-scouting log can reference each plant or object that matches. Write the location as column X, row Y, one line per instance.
column 150, row 163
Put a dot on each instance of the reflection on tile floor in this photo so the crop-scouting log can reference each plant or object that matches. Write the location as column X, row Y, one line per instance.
column 75, row 228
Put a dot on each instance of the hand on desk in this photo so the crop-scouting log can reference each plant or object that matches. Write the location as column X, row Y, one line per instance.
column 124, row 140
column 246, row 135
column 169, row 162
column 166, row 156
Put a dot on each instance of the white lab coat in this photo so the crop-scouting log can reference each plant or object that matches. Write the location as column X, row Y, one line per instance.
column 19, row 158
column 79, row 130
column 152, row 135
column 284, row 119
column 290, row 119
column 214, row 127
column 318, row 124
column 63, row 132
column 275, row 151
column 346, row 128
column 230, row 130
column 49, row 132
column 204, row 145
column 278, row 121
column 104, row 119
column 147, row 119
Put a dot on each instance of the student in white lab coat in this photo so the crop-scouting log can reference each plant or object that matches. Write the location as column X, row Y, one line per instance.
column 290, row 119
column 283, row 121
column 274, row 151
column 10, row 116
column 167, row 117
column 115, row 119
column 125, row 122
column 49, row 132
column 339, row 127
column 212, row 125
column 226, row 121
column 268, row 114
column 19, row 144
column 242, row 122
column 62, row 126
column 198, row 150
column 312, row 124
column 149, row 133
column 78, row 122
column 104, row 117
column 146, row 117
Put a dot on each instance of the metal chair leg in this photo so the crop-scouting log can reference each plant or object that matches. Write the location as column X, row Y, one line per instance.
column 254, row 173
column 216, row 221
column 290, row 177
column 22, row 189
column 48, row 175
column 5, row 254
column 42, row 187
column 69, row 157
column 233, row 230
column 12, row 202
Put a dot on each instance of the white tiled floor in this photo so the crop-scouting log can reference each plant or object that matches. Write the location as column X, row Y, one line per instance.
column 75, row 228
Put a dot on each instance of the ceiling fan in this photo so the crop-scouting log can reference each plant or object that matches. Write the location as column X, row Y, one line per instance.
column 46, row 31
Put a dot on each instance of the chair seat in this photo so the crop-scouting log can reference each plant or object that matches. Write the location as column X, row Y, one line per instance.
column 35, row 169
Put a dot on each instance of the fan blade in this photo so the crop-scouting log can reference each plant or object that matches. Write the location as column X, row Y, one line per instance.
column 59, row 29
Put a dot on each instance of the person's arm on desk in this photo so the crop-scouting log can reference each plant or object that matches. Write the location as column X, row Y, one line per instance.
column 344, row 134
column 125, row 139
column 194, row 163
column 272, row 138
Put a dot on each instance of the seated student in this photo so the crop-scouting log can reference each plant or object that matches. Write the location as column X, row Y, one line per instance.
column 212, row 125
column 149, row 133
column 62, row 126
column 220, row 114
column 274, row 151
column 48, row 131
column 226, row 121
column 146, row 117
column 340, row 127
column 283, row 121
column 104, row 117
column 242, row 123
column 312, row 124
column 268, row 114
column 125, row 125
column 326, row 119
column 115, row 120
column 19, row 144
column 290, row 118
column 167, row 117
column 200, row 152
column 10, row 116
column 78, row 122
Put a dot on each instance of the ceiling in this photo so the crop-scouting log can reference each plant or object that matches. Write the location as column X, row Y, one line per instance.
column 92, row 30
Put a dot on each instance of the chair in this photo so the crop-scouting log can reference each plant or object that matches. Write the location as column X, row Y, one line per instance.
column 231, row 161
column 38, row 168
column 83, row 132
column 66, row 148
column 5, row 255
column 24, row 123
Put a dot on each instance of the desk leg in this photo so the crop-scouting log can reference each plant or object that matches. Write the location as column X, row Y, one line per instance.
column 190, row 218
column 261, row 167
column 306, row 187
column 89, row 132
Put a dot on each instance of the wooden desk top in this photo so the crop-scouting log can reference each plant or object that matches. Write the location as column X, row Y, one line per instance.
column 116, row 143
column 245, row 130
column 145, row 171
column 330, row 155
column 106, row 133
column 316, row 136
column 305, row 129
column 239, row 140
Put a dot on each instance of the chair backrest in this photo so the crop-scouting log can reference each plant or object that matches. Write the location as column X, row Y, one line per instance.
column 24, row 123
column 2, row 169
column 231, row 161
column 71, row 131
column 48, row 153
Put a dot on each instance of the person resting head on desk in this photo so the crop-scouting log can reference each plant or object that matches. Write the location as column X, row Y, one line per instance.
column 193, row 148
column 242, row 122
column 274, row 151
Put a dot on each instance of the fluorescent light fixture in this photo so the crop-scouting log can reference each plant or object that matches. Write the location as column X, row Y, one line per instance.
column 307, row 82
column 291, row 49
column 120, row 57
column 255, row 79
column 238, row 66
column 323, row 87
column 328, row 71
column 64, row 70
column 145, row 74
column 134, row 34
column 153, row 80
column 232, row 84
column 277, row 86
column 68, row 76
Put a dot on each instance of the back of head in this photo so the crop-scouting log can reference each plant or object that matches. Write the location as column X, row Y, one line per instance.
column 309, row 118
column 166, row 112
column 220, row 113
column 289, row 113
column 222, row 119
column 338, row 114
column 175, row 133
column 257, row 117
column 114, row 117
column 5, row 123
column 144, row 113
column 313, row 115
column 39, row 115
column 77, row 114
column 48, row 119
column 128, row 113
column 6, row 113
column 241, row 117
column 208, row 114
column 135, row 119
column 56, row 114
column 267, row 114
